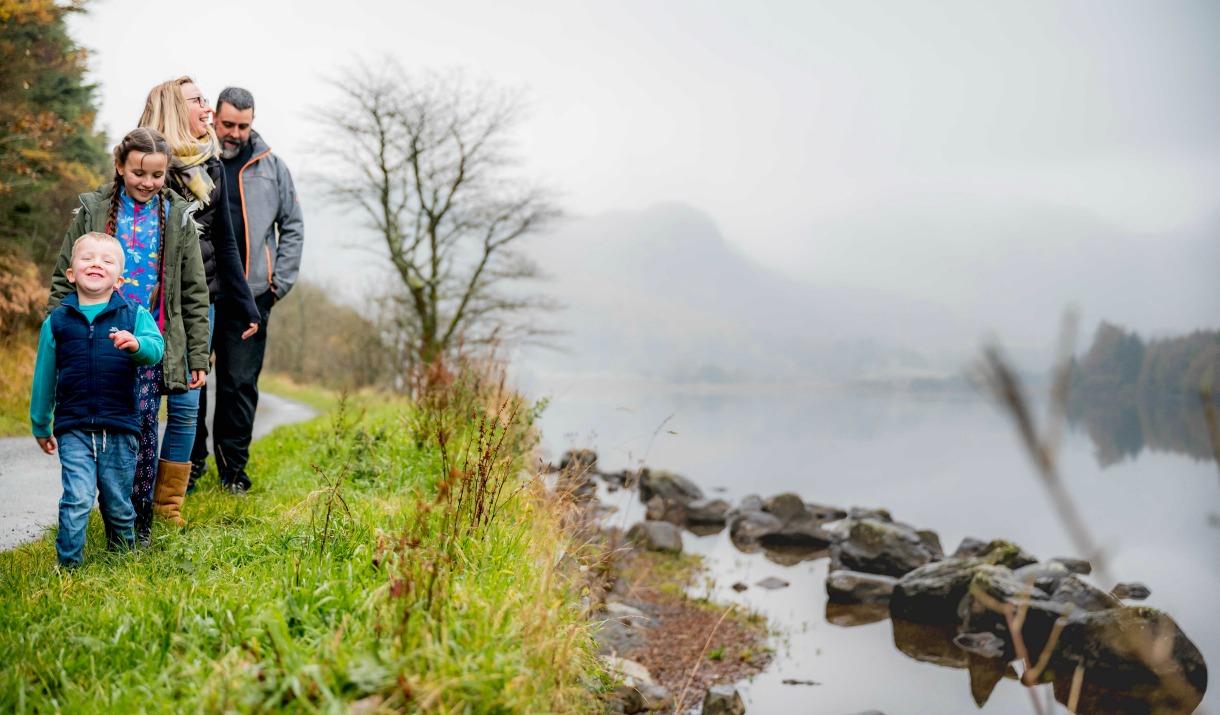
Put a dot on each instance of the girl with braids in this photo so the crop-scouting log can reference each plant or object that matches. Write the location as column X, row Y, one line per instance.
column 165, row 275
column 179, row 111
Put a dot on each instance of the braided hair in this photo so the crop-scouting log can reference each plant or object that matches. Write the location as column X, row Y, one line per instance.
column 149, row 141
column 145, row 140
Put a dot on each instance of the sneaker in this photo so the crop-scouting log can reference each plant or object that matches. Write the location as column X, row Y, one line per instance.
column 236, row 488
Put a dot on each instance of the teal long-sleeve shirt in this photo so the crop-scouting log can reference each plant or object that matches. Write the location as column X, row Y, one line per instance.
column 42, row 395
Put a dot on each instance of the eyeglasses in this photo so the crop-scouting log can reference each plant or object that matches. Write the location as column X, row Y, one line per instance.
column 200, row 100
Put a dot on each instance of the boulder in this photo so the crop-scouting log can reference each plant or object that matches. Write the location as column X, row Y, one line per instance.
column 630, row 672
column 992, row 589
column 1074, row 590
column 1133, row 591
column 747, row 527
column 669, row 486
column 707, row 512
column 578, row 460
column 860, row 513
column 821, row 512
column 931, row 593
column 881, row 547
column 970, row 547
column 786, row 507
column 656, row 536
column 1005, row 553
column 1046, row 576
column 723, row 700
column 856, row 587
column 1076, row 566
column 804, row 532
column 1130, row 650
column 750, row 502
column 655, row 698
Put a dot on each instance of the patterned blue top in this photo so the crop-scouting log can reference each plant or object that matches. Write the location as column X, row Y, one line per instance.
column 136, row 227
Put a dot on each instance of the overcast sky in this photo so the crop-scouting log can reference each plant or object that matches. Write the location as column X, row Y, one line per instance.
column 774, row 118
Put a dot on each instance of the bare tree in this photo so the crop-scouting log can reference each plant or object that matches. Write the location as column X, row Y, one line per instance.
column 425, row 160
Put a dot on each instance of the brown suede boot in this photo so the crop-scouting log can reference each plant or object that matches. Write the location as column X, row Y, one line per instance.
column 170, row 490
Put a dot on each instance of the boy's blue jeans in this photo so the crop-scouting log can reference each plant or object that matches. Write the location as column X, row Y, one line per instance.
column 101, row 465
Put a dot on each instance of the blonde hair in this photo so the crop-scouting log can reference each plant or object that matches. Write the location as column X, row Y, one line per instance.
column 101, row 238
column 165, row 110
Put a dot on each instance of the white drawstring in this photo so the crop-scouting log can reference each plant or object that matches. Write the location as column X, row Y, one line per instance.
column 103, row 440
column 93, row 441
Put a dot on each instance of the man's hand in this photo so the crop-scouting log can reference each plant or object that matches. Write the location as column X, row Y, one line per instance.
column 124, row 340
column 250, row 331
column 47, row 444
column 198, row 379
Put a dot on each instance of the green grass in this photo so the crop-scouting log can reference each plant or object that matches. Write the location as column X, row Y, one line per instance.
column 309, row 593
column 16, row 374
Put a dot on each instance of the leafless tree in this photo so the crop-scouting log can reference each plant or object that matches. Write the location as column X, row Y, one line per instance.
column 425, row 160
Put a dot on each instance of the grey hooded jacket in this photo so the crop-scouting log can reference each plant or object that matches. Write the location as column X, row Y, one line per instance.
column 274, row 230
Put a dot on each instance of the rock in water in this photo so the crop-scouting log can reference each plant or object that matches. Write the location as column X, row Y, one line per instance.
column 771, row 583
column 786, row 507
column 657, row 536
column 723, row 700
column 1076, row 566
column 880, row 547
column 856, row 587
column 931, row 593
column 1133, row 649
column 1133, row 591
column 1073, row 590
column 669, row 486
column 583, row 460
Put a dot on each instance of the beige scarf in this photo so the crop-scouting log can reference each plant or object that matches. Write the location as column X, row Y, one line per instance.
column 188, row 163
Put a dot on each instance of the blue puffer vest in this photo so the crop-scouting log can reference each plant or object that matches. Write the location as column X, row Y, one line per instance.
column 95, row 387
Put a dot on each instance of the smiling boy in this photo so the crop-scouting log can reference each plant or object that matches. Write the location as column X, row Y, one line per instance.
column 84, row 380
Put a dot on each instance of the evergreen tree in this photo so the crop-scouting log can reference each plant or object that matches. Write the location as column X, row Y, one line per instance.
column 49, row 148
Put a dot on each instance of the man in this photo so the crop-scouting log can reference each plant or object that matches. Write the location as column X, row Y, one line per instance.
column 267, row 222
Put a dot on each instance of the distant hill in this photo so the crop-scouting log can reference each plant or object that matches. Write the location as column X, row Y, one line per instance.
column 659, row 292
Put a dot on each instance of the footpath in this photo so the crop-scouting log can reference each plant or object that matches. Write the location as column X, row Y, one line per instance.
column 30, row 479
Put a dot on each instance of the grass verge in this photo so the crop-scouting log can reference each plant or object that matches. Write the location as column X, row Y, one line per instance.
column 16, row 374
column 372, row 563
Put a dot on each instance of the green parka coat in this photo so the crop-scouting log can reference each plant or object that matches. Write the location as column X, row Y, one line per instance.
column 184, row 282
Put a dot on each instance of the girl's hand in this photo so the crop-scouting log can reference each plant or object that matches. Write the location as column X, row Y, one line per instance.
column 47, row 444
column 199, row 378
column 250, row 331
column 123, row 340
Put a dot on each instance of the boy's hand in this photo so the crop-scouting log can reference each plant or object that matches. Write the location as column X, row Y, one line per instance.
column 123, row 340
column 47, row 444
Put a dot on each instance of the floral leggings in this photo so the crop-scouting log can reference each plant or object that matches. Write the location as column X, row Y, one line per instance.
column 148, row 403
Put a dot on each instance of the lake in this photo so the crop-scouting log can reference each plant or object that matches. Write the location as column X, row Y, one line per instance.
column 951, row 463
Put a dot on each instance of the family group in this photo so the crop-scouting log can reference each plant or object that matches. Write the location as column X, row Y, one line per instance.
column 180, row 257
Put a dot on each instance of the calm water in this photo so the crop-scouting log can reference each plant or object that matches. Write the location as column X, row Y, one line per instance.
column 951, row 464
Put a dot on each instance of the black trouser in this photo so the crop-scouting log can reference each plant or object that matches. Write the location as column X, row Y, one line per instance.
column 238, row 364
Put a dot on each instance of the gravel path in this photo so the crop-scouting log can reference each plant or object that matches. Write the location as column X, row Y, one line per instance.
column 30, row 479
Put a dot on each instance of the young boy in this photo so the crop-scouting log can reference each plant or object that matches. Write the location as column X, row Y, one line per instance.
column 88, row 350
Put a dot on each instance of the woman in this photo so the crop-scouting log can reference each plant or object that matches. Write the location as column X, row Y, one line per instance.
column 179, row 111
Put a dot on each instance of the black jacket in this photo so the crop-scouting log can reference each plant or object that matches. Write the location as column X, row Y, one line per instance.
column 221, row 260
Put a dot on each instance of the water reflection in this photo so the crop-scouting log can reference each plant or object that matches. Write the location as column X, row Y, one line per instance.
column 952, row 464
column 1121, row 426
